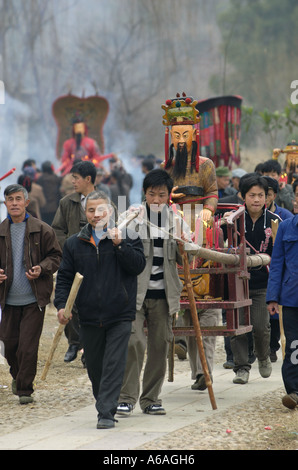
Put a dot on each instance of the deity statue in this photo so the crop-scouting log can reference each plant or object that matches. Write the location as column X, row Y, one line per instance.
column 193, row 175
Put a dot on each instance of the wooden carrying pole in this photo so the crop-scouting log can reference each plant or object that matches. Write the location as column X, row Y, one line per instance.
column 252, row 261
column 68, row 308
column 196, row 325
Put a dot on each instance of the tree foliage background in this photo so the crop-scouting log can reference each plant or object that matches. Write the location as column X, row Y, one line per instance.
column 259, row 40
column 138, row 53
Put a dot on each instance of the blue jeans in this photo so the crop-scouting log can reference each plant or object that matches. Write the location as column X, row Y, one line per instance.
column 290, row 363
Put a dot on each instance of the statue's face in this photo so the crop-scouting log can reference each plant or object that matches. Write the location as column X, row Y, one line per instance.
column 183, row 134
column 79, row 128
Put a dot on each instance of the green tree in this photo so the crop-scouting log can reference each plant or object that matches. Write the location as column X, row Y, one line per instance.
column 259, row 47
column 279, row 127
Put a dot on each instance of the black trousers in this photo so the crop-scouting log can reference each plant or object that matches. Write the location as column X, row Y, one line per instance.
column 290, row 363
column 105, row 351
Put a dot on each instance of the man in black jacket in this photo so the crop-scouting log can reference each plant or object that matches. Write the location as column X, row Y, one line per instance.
column 258, row 234
column 110, row 261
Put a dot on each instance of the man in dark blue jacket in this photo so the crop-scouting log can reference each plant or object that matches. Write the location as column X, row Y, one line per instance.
column 283, row 213
column 110, row 261
column 283, row 290
column 258, row 234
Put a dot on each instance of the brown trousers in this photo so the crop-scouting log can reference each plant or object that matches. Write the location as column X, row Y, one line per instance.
column 20, row 331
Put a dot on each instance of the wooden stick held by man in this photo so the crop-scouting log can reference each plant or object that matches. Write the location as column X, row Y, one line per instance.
column 68, row 308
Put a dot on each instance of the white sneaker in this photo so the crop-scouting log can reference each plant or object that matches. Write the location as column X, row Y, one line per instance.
column 124, row 409
column 241, row 377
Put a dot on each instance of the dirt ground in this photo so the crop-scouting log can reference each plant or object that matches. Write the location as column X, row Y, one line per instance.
column 260, row 424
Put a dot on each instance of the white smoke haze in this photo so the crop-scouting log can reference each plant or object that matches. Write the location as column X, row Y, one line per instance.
column 135, row 53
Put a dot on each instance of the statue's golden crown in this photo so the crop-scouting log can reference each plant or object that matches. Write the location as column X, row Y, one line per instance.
column 180, row 110
column 292, row 147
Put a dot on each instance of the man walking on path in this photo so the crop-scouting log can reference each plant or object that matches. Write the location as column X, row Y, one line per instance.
column 158, row 299
column 29, row 256
column 258, row 233
column 283, row 290
column 110, row 263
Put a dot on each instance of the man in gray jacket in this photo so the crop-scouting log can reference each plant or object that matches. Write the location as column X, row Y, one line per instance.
column 158, row 298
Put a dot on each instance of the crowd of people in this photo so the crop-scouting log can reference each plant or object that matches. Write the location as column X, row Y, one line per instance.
column 72, row 224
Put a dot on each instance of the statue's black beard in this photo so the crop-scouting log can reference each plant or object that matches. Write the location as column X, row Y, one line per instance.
column 78, row 138
column 181, row 155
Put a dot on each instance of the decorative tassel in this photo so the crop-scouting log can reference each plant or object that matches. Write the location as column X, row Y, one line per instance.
column 166, row 145
column 198, row 150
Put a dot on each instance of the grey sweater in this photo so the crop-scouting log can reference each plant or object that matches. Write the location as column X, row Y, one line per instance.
column 20, row 292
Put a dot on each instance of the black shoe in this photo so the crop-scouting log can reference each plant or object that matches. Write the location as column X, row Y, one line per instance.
column 273, row 356
column 71, row 353
column 25, row 399
column 229, row 364
column 200, row 383
column 290, row 400
column 104, row 423
column 181, row 351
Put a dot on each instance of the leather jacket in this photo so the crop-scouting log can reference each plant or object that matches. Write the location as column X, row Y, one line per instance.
column 41, row 248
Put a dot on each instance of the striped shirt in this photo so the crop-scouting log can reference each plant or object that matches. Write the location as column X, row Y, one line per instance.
column 156, row 287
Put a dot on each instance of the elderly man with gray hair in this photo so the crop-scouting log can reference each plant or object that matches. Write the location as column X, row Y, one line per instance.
column 29, row 256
